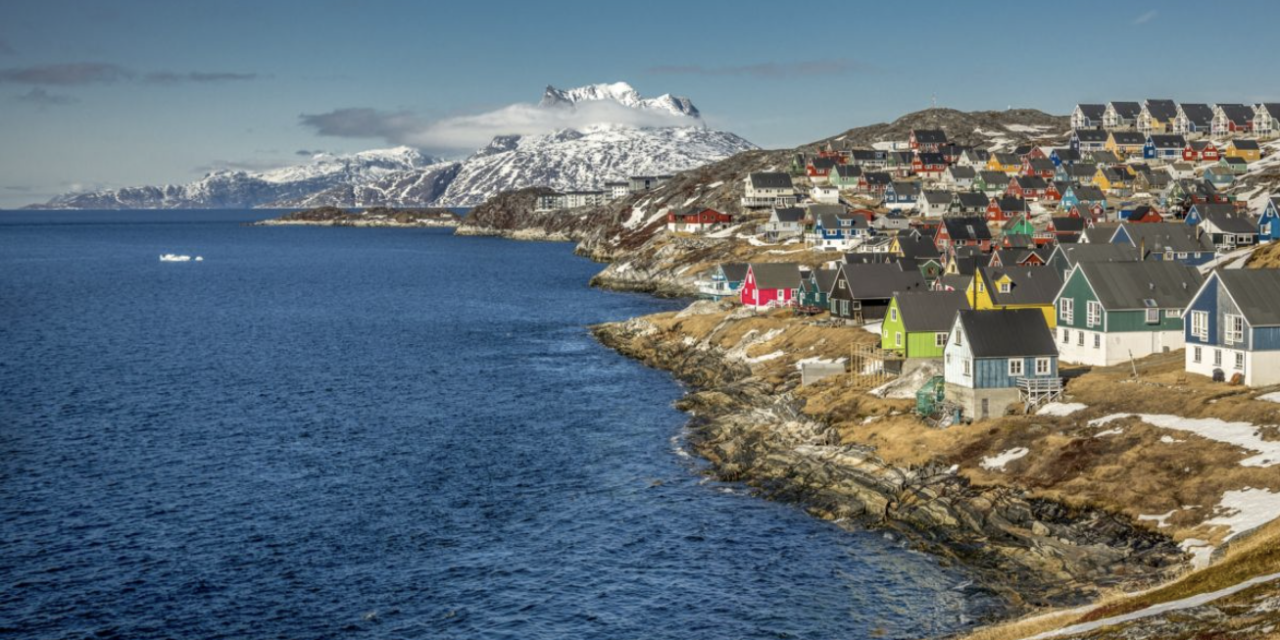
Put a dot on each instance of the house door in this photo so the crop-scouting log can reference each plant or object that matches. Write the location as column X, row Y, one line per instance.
column 986, row 408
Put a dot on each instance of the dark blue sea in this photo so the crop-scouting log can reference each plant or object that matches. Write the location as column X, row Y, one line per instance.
column 377, row 433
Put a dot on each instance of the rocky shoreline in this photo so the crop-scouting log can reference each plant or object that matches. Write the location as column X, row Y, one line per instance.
column 1031, row 552
column 373, row 217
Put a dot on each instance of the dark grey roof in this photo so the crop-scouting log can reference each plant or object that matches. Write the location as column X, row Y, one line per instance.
column 930, row 136
column 1166, row 236
column 1041, row 164
column 823, row 163
column 1232, row 222
column 877, row 177
column 1092, row 111
column 1127, row 109
column 1090, row 135
column 1256, row 292
column 1083, row 170
column 880, row 281
column 734, row 271
column 771, row 180
column 972, row 199
column 1068, row 223
column 931, row 158
column 1140, row 285
column 994, row 177
column 1008, row 158
column 967, row 228
column 1101, row 233
column 826, row 279
column 1097, row 252
column 1247, row 145
column 1031, row 285
column 956, row 281
column 789, row 214
column 819, row 208
column 1272, row 109
column 1237, row 113
column 1128, row 137
column 1067, row 154
column 1012, row 203
column 1007, row 333
column 1168, row 140
column 777, row 275
column 937, row 197
column 958, row 171
column 918, row 247
column 906, row 188
column 930, row 310
column 1162, row 109
column 1031, row 182
column 1088, row 193
column 1199, row 114
column 848, row 170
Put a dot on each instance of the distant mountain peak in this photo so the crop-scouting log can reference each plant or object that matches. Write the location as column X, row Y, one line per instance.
column 621, row 93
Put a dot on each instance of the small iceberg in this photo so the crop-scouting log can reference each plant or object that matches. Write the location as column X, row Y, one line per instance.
column 173, row 257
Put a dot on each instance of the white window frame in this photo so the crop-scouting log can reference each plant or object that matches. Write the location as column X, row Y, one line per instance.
column 893, row 314
column 1231, row 335
column 1196, row 354
column 1153, row 316
column 959, row 338
column 1016, row 367
column 1200, row 325
column 1066, row 336
column 897, row 338
column 968, row 367
column 940, row 339
column 1173, row 313
column 1097, row 341
column 1093, row 313
column 1217, row 357
column 1004, row 287
column 1067, row 309
column 1239, row 361
column 1044, row 366
column 1079, row 338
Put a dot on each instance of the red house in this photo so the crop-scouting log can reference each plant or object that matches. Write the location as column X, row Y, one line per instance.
column 963, row 231
column 696, row 220
column 1145, row 213
column 928, row 165
column 1096, row 212
column 1005, row 207
column 1026, row 187
column 1201, row 151
column 927, row 139
column 820, row 168
column 770, row 285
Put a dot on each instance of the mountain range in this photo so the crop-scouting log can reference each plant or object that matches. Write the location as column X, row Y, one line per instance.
column 673, row 138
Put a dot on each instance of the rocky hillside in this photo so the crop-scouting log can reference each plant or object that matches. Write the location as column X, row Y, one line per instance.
column 372, row 217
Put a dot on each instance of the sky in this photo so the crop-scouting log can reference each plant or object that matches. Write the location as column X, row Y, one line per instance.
column 98, row 94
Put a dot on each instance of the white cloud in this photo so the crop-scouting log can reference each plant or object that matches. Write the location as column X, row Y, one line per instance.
column 470, row 132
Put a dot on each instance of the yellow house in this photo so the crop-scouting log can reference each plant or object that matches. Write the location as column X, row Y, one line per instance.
column 1008, row 163
column 1108, row 178
column 1247, row 150
column 1016, row 288
column 1126, row 143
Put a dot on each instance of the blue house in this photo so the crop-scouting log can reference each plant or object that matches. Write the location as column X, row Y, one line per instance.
column 1065, row 156
column 1171, row 241
column 1082, row 196
column 1232, row 327
column 1086, row 140
column 1269, row 221
column 992, row 356
column 837, row 232
column 1166, row 147
column 724, row 281
column 901, row 194
column 1201, row 210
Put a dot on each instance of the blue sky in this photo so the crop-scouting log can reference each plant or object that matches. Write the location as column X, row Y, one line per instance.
column 118, row 93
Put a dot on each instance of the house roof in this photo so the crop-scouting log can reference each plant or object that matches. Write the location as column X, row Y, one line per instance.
column 1081, row 170
column 770, row 180
column 1030, row 285
column 1199, row 114
column 1092, row 111
column 818, row 208
column 931, row 158
column 960, row 171
column 1245, row 145
column 956, row 281
column 971, row 199
column 1162, row 109
column 918, row 247
column 789, row 214
column 1090, row 135
column 1066, row 153
column 1142, row 285
column 1088, row 193
column 937, row 197
column 930, row 310
column 994, row 177
column 1167, row 140
column 877, row 177
column 1031, row 182
column 1012, row 203
column 1232, row 222
column 1128, row 137
column 1127, row 109
column 734, row 271
column 823, row 163
column 1007, row 333
column 1272, row 108
column 1098, row 252
column 967, row 228
column 1237, row 113
column 1007, row 158
column 826, row 279
column 881, row 281
column 1200, row 145
column 1068, row 224
column 906, row 188
column 1166, row 236
column 848, row 170
column 1041, row 164
column 776, row 275
column 930, row 136
column 1256, row 292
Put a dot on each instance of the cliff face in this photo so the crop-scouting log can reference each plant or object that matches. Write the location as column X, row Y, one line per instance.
column 1035, row 552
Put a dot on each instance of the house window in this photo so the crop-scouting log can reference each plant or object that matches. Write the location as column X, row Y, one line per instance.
column 1097, row 341
column 1004, row 287
column 1196, row 355
column 1044, row 366
column 1067, row 310
column 939, row 339
column 1217, row 357
column 897, row 338
column 893, row 315
column 1173, row 313
column 981, row 288
column 948, row 359
column 966, row 368
column 1153, row 316
column 1234, row 331
column 843, row 284
column 1200, row 324
column 959, row 339
column 1066, row 336
column 1239, row 361
column 1080, row 338
column 1015, row 367
column 1094, row 313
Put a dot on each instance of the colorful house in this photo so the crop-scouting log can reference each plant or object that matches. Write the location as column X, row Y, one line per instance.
column 1087, row 116
column 963, row 231
column 1193, row 119
column 1200, row 151
column 1005, row 207
column 1126, row 143
column 1088, row 140
column 1121, row 115
column 845, row 176
column 990, row 354
column 1164, row 146
column 917, row 323
column 1108, row 313
column 724, row 281
column 770, row 285
column 1232, row 327
column 1027, row 287
column 1168, row 241
column 1006, row 163
column 815, row 290
column 1269, row 221
column 863, row 291
column 696, row 220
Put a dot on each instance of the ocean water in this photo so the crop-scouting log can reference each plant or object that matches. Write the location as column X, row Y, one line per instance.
column 377, row 433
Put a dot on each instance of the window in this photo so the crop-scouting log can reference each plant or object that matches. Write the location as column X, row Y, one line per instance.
column 1240, row 361
column 948, row 359
column 897, row 338
column 966, row 368
column 1200, row 324
column 893, row 315
column 1080, row 338
column 1234, row 331
column 939, row 339
column 1097, row 341
column 843, row 284
column 1093, row 309
column 1153, row 316
column 1004, row 287
column 1217, row 357
column 1015, row 366
column 959, row 338
column 1195, row 355
column 1173, row 313
column 981, row 287
column 1044, row 366
column 1066, row 336
column 1066, row 310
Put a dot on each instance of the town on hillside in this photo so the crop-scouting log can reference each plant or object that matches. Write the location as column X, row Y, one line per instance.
column 986, row 267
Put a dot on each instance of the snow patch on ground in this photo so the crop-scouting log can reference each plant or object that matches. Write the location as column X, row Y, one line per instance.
column 725, row 233
column 1246, row 509
column 766, row 357
column 1115, row 431
column 1274, row 396
column 1159, row 519
column 1240, row 434
column 1170, row 440
column 873, row 327
column 1026, row 128
column 1061, row 408
column 997, row 462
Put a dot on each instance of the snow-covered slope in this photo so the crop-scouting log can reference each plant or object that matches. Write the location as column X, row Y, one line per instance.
column 243, row 189
column 580, row 158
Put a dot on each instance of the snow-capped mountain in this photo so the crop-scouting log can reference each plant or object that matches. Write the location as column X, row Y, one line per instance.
column 244, row 189
column 581, row 158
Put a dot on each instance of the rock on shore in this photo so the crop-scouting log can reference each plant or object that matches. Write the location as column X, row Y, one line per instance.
column 373, row 217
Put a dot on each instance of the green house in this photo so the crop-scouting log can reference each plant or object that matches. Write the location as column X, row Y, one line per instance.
column 917, row 323
column 1111, row 312
column 816, row 289
column 845, row 176
column 1019, row 225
